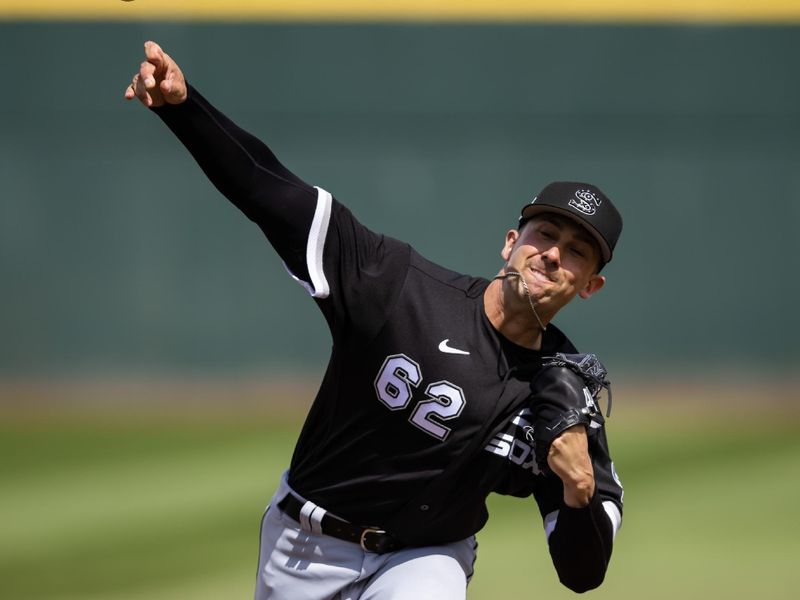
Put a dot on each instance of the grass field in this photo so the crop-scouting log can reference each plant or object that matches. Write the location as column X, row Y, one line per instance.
column 125, row 509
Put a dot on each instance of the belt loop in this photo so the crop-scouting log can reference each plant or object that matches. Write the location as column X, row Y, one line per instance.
column 311, row 517
column 315, row 519
column 305, row 514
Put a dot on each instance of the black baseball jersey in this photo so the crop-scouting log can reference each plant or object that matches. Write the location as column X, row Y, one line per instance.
column 416, row 373
column 422, row 409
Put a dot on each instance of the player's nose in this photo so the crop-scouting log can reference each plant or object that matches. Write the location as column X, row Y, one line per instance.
column 552, row 256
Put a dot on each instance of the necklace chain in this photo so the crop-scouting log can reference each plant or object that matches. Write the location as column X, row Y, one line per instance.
column 527, row 293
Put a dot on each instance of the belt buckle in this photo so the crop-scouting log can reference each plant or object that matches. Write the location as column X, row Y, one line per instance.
column 364, row 541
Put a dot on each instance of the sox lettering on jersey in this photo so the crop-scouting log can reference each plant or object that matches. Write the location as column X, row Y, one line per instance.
column 513, row 445
column 393, row 386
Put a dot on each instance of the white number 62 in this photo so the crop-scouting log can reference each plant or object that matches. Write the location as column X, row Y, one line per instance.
column 393, row 386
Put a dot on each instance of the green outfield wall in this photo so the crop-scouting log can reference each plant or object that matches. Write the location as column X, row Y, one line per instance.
column 118, row 257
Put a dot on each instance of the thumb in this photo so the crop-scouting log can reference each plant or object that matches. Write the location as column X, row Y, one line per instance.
column 173, row 88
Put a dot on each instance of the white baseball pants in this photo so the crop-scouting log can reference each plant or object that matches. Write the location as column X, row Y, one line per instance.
column 295, row 563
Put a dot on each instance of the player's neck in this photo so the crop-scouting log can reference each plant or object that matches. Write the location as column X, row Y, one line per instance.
column 513, row 320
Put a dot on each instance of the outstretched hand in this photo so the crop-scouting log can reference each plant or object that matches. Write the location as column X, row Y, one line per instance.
column 159, row 80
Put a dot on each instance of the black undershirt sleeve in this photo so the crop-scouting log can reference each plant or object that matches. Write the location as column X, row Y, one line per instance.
column 580, row 545
column 582, row 540
column 246, row 172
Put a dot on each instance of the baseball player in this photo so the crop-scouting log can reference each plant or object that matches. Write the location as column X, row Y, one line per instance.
column 436, row 387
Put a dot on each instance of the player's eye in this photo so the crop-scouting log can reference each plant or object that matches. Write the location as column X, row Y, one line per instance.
column 577, row 251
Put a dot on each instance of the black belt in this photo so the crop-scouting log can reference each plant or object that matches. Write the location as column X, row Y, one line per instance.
column 370, row 539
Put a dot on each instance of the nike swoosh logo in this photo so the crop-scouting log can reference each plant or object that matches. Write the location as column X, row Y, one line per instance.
column 443, row 347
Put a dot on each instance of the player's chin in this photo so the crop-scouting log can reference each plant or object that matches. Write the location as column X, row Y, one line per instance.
column 552, row 297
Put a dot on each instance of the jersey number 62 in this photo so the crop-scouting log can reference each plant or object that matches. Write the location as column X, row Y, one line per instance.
column 394, row 385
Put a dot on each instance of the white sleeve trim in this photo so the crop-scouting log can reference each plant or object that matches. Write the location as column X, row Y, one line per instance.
column 550, row 520
column 612, row 512
column 614, row 516
column 318, row 287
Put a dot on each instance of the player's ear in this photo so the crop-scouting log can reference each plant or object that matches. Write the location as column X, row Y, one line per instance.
column 594, row 285
column 512, row 235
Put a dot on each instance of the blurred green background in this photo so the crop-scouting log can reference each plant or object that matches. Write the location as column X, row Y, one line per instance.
column 169, row 508
column 155, row 361
column 119, row 257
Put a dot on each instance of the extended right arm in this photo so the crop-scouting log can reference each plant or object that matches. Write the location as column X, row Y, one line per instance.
column 321, row 243
column 246, row 172
column 239, row 165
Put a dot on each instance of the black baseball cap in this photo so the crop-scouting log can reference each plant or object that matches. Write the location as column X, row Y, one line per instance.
column 584, row 203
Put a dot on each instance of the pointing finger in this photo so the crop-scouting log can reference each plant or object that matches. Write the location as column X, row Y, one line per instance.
column 153, row 51
column 156, row 56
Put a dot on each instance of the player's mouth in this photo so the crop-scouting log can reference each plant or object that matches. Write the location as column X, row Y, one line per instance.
column 540, row 275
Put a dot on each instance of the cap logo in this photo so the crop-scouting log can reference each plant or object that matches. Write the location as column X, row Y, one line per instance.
column 585, row 201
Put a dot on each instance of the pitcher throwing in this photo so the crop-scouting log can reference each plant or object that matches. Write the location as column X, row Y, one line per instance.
column 441, row 387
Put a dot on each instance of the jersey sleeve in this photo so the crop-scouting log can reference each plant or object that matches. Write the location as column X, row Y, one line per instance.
column 351, row 271
column 364, row 273
column 580, row 540
column 248, row 174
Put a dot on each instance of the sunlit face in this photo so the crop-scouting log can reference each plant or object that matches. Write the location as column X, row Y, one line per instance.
column 557, row 258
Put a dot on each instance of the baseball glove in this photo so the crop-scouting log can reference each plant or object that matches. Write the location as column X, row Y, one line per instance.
column 565, row 394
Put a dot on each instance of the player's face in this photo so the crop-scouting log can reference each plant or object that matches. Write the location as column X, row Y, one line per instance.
column 558, row 259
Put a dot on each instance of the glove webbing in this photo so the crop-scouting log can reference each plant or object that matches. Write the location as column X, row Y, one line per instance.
column 589, row 368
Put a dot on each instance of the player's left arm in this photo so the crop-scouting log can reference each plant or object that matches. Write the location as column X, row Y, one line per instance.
column 580, row 496
column 585, row 513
